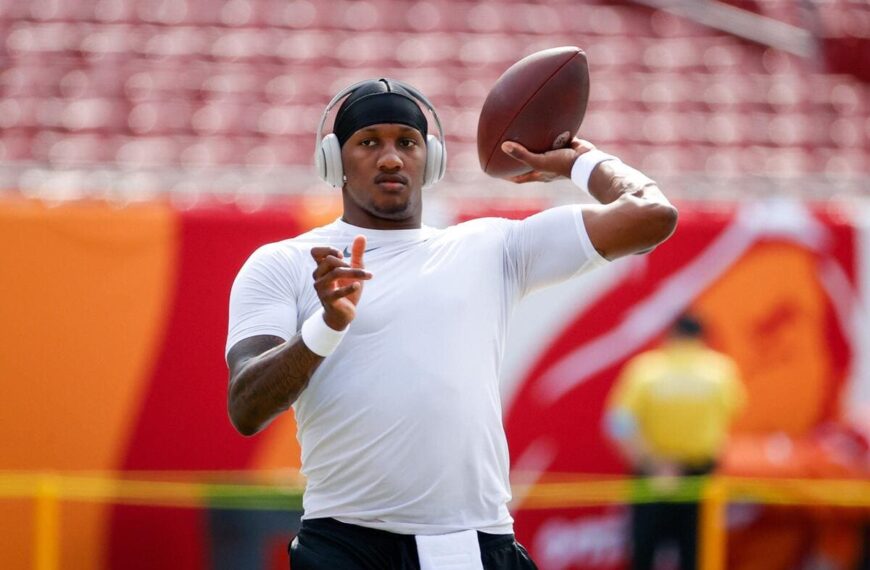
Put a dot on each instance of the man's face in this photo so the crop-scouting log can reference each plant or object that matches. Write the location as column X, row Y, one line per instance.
column 384, row 166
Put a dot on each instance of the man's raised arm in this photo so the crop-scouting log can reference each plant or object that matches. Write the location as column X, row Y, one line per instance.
column 633, row 215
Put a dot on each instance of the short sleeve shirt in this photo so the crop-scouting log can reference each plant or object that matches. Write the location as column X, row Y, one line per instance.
column 400, row 428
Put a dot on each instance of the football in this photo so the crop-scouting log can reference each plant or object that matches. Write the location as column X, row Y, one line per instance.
column 535, row 102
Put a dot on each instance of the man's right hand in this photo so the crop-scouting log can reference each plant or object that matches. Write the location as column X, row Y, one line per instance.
column 339, row 283
column 546, row 166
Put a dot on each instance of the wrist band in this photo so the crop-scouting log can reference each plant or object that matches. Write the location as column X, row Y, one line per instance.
column 585, row 163
column 320, row 338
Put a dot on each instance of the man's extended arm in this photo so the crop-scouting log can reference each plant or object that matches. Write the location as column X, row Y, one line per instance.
column 633, row 217
column 267, row 374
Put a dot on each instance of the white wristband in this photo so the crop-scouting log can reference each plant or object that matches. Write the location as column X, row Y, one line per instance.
column 319, row 337
column 585, row 163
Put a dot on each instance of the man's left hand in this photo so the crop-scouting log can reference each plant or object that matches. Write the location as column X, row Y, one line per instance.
column 548, row 165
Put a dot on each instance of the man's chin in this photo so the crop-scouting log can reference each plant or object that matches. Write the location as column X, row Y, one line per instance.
column 400, row 211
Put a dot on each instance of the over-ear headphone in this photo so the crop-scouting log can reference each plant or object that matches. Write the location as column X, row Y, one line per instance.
column 327, row 153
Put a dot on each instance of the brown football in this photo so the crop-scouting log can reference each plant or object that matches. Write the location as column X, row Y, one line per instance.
column 534, row 102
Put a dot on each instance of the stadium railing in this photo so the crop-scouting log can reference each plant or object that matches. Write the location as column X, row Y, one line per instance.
column 283, row 491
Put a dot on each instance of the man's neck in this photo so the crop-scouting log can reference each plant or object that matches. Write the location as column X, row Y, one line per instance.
column 363, row 219
column 378, row 224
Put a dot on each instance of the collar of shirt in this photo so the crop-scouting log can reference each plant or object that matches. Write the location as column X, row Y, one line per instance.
column 382, row 237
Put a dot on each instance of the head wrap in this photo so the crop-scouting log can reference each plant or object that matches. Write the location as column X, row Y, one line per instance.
column 376, row 102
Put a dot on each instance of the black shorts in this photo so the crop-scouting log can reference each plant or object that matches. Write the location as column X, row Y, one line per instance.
column 327, row 544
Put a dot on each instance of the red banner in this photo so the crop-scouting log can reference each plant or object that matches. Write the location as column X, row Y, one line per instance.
column 115, row 320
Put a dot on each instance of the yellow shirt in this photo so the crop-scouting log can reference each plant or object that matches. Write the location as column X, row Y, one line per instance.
column 682, row 398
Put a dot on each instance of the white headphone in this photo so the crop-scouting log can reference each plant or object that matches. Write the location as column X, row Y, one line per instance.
column 327, row 153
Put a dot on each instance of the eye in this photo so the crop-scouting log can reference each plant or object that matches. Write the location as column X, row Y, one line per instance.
column 367, row 142
column 408, row 143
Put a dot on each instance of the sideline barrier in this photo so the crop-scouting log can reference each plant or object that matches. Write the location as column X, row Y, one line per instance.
column 283, row 491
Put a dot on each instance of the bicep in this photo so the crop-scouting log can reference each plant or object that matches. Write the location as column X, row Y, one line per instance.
column 620, row 424
column 551, row 246
column 628, row 390
column 620, row 418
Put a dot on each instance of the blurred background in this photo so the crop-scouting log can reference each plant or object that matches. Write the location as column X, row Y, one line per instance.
column 147, row 147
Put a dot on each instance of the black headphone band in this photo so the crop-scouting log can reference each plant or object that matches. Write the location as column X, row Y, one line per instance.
column 351, row 88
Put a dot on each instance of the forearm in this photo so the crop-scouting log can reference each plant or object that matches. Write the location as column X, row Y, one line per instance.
column 612, row 179
column 634, row 450
column 269, row 383
column 635, row 215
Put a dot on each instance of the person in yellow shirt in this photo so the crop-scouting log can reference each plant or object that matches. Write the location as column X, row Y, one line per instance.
column 669, row 414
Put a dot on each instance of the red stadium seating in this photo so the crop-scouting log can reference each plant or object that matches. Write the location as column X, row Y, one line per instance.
column 165, row 83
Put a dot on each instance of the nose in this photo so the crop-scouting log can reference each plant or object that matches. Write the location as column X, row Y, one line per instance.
column 389, row 160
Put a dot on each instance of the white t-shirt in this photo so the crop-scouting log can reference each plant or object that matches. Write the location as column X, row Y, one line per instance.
column 401, row 427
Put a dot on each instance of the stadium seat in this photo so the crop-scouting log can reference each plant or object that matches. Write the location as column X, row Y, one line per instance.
column 246, row 80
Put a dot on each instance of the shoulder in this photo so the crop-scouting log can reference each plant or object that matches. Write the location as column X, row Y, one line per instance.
column 277, row 265
column 644, row 366
column 481, row 236
column 491, row 228
column 724, row 363
column 295, row 250
column 650, row 358
column 272, row 257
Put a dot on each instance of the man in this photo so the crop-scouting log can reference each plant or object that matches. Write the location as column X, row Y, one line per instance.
column 669, row 413
column 386, row 337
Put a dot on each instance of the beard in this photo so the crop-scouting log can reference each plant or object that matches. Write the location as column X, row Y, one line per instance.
column 394, row 211
column 388, row 206
column 391, row 207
